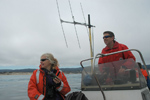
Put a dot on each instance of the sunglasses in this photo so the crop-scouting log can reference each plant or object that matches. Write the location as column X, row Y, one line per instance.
column 43, row 59
column 107, row 36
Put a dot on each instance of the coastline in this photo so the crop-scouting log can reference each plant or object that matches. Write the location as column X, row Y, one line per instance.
column 16, row 73
column 25, row 73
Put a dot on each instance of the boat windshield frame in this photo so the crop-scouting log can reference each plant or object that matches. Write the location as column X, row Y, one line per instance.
column 132, row 80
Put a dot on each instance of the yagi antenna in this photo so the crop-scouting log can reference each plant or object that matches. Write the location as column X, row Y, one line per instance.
column 74, row 22
column 61, row 24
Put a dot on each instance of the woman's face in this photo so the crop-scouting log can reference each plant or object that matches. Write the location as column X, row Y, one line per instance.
column 45, row 63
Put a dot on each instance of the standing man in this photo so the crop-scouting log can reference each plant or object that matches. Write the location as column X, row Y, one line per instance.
column 113, row 46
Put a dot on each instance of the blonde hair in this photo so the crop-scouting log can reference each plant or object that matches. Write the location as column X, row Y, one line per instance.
column 52, row 60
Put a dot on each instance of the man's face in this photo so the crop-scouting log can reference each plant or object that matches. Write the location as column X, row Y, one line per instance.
column 108, row 39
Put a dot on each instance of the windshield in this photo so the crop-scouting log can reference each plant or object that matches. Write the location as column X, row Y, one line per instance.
column 117, row 75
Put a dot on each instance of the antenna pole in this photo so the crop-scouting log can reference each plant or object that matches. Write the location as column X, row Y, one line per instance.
column 89, row 26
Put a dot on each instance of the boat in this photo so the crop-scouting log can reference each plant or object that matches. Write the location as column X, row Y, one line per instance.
column 128, row 85
column 95, row 85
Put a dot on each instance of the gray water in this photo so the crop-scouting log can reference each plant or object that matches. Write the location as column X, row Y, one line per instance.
column 14, row 87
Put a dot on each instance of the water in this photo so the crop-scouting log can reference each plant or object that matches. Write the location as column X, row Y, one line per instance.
column 14, row 87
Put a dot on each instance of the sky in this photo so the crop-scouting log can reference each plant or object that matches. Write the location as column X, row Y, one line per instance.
column 30, row 28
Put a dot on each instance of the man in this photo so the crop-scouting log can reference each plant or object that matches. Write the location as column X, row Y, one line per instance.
column 113, row 46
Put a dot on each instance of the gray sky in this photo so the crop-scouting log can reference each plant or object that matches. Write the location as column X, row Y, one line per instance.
column 29, row 28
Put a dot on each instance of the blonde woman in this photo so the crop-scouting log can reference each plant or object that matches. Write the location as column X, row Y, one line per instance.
column 48, row 82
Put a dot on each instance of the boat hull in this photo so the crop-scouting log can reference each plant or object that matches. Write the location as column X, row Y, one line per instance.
column 119, row 94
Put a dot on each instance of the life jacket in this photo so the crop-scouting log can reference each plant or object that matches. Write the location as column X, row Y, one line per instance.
column 37, row 85
column 144, row 73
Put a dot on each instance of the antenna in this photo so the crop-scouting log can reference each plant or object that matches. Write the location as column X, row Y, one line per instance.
column 83, row 16
column 78, row 23
column 92, row 46
column 61, row 24
column 74, row 24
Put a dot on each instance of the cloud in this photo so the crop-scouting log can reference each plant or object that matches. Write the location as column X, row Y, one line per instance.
column 30, row 28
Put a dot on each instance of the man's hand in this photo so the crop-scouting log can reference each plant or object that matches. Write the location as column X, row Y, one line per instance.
column 121, row 71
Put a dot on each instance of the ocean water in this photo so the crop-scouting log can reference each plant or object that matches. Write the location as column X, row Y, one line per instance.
column 14, row 87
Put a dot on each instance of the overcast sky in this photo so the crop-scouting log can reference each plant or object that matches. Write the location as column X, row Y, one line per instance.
column 29, row 28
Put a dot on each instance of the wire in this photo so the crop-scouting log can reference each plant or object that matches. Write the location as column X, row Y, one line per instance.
column 61, row 23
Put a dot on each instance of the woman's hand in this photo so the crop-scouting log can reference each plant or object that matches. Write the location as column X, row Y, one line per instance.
column 57, row 81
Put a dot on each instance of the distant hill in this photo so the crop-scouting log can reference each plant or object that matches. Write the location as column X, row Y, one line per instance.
column 148, row 67
column 65, row 70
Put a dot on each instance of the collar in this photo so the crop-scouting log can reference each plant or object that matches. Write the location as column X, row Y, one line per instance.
column 114, row 47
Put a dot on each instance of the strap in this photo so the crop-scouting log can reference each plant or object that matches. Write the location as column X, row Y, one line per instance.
column 79, row 96
column 76, row 96
column 69, row 96
column 58, row 73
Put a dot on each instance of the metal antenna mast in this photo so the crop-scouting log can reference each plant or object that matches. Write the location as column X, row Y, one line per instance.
column 78, row 23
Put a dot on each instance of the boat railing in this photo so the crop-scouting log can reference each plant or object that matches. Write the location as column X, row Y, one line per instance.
column 103, row 55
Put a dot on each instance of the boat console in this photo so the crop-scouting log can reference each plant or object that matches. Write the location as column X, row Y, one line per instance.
column 113, row 79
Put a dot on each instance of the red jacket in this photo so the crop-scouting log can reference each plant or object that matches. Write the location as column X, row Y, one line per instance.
column 37, row 85
column 116, row 57
column 117, row 47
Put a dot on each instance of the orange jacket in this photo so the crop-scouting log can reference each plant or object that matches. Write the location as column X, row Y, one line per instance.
column 144, row 73
column 37, row 85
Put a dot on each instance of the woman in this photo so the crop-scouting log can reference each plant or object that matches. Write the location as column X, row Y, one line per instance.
column 48, row 82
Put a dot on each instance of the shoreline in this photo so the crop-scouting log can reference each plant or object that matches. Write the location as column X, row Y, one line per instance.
column 25, row 73
column 16, row 73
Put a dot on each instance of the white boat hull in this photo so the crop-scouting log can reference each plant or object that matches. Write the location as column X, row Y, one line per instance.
column 117, row 95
